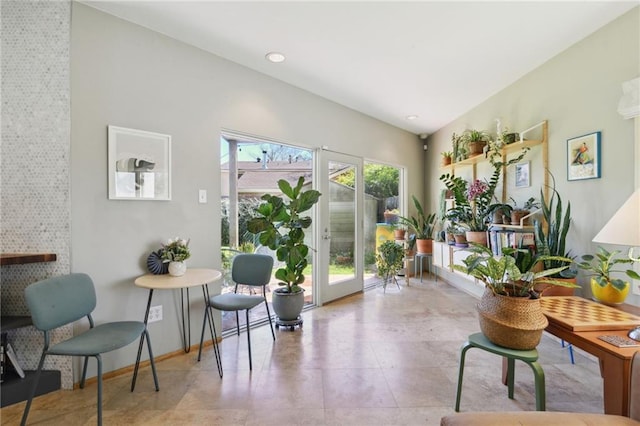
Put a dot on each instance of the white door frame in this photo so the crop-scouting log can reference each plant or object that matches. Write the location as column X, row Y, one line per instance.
column 324, row 290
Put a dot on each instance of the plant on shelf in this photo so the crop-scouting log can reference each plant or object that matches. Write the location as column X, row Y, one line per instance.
column 422, row 224
column 459, row 151
column 518, row 212
column 604, row 286
column 447, row 158
column 389, row 261
column 499, row 213
column 551, row 238
column 475, row 140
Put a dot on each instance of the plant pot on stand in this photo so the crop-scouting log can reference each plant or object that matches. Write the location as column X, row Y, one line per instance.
column 287, row 307
column 511, row 322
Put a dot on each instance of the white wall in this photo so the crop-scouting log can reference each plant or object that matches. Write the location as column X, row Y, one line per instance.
column 578, row 93
column 126, row 75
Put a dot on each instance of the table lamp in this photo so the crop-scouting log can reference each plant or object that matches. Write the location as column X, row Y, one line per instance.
column 624, row 229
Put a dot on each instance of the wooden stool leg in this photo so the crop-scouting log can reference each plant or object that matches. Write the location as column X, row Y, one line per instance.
column 465, row 347
column 511, row 372
column 538, row 375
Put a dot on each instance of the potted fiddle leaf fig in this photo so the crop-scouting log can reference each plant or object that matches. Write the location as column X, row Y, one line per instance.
column 280, row 226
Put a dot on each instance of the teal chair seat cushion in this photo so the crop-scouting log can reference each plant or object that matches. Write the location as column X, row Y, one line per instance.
column 100, row 339
column 234, row 301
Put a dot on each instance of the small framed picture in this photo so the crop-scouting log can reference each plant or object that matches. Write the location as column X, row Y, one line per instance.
column 523, row 179
column 139, row 165
column 583, row 157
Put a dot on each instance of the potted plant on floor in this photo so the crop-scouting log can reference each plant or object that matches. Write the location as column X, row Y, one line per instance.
column 510, row 311
column 389, row 261
column 604, row 287
column 550, row 239
column 280, row 226
column 423, row 225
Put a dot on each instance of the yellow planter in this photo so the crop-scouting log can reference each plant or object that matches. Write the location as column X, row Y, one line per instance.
column 608, row 294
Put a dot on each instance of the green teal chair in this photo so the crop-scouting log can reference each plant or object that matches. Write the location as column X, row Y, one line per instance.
column 253, row 270
column 58, row 301
column 530, row 357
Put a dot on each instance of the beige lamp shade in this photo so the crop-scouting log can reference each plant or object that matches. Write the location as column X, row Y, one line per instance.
column 624, row 227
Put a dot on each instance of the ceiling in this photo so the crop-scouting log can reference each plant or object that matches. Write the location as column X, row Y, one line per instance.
column 386, row 59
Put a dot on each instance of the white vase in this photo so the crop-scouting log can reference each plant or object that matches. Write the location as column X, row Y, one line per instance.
column 177, row 269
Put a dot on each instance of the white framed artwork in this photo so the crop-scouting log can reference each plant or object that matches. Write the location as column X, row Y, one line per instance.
column 139, row 165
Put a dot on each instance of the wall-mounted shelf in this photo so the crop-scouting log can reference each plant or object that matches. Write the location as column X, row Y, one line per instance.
column 23, row 258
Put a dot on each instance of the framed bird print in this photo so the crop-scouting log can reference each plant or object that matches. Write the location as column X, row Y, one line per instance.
column 583, row 157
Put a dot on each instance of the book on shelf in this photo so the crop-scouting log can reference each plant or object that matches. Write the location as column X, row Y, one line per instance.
column 501, row 239
column 13, row 359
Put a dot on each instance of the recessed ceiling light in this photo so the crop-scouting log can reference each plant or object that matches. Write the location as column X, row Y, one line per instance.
column 411, row 117
column 275, row 57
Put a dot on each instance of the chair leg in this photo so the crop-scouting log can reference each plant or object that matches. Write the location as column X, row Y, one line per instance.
column 264, row 293
column 153, row 364
column 32, row 392
column 204, row 324
column 248, row 339
column 238, row 323
column 99, row 360
column 465, row 347
column 214, row 339
column 84, row 372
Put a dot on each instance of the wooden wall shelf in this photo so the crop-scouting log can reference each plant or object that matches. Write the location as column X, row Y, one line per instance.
column 23, row 258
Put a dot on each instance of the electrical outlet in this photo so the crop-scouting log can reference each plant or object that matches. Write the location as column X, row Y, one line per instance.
column 635, row 287
column 155, row 313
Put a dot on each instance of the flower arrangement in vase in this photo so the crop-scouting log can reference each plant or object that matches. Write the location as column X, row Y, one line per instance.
column 175, row 252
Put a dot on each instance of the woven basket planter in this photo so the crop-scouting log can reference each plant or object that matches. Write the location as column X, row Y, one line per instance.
column 511, row 322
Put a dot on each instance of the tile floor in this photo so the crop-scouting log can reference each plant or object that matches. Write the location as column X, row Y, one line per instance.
column 370, row 359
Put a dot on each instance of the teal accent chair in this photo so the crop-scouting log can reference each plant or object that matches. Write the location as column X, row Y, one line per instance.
column 249, row 269
column 58, row 301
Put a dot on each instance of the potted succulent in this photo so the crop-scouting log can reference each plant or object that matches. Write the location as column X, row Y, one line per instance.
column 274, row 216
column 510, row 311
column 604, row 287
column 422, row 225
column 389, row 261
